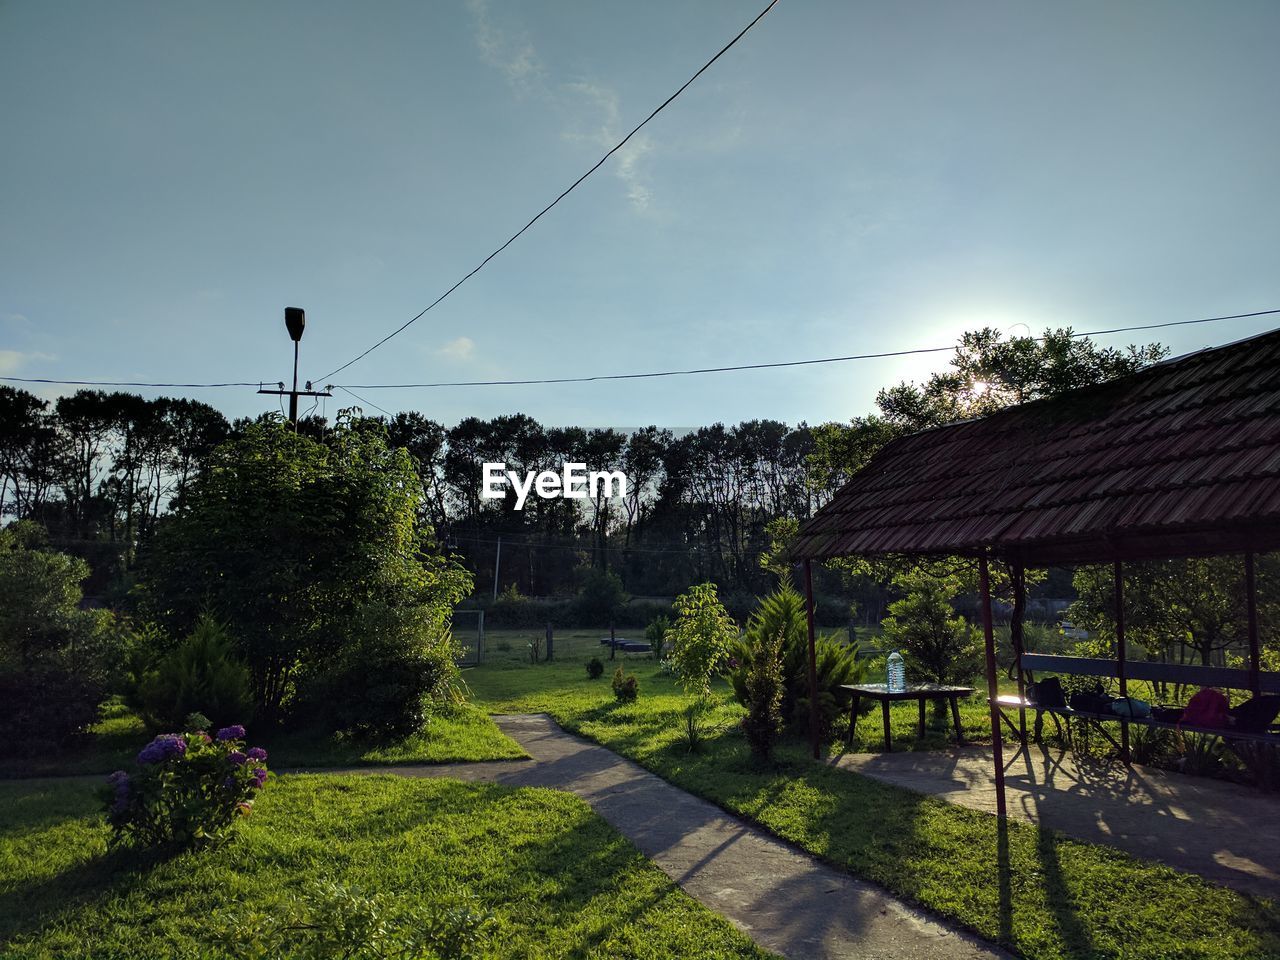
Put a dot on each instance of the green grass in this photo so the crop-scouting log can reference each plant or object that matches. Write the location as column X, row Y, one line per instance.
column 456, row 735
column 557, row 878
column 1045, row 895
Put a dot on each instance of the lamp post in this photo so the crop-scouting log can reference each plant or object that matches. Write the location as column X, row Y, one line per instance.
column 295, row 321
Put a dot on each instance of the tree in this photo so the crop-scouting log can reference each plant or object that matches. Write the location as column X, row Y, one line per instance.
column 1178, row 610
column 938, row 645
column 56, row 660
column 287, row 539
column 700, row 637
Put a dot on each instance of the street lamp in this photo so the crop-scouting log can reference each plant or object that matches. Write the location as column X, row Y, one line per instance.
column 295, row 321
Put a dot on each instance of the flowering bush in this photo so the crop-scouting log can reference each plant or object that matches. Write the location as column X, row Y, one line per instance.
column 189, row 789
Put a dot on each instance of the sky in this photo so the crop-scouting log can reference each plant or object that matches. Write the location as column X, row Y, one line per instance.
column 851, row 177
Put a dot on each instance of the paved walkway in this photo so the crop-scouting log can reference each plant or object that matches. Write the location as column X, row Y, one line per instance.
column 786, row 900
column 1226, row 833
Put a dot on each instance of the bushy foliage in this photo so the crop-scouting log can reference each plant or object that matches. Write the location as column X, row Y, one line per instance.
column 594, row 668
column 938, row 645
column 288, row 539
column 331, row 921
column 700, row 637
column 600, row 598
column 398, row 664
column 187, row 790
column 656, row 634
column 782, row 614
column 763, row 687
column 56, row 660
column 202, row 674
column 625, row 688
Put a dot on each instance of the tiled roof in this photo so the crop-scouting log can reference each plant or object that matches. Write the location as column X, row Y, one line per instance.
column 1180, row 459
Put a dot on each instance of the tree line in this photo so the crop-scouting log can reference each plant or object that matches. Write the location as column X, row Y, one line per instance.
column 100, row 470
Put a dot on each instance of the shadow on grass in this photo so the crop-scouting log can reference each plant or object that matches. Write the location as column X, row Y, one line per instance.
column 34, row 906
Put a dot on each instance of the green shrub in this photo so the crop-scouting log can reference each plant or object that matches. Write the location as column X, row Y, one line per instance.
column 764, row 689
column 700, row 637
column 938, row 645
column 188, row 790
column 57, row 662
column 398, row 664
column 625, row 689
column 599, row 599
column 782, row 614
column 594, row 668
column 202, row 674
column 656, row 633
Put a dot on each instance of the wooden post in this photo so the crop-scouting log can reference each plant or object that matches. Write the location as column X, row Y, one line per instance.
column 993, row 690
column 613, row 642
column 1251, row 598
column 1017, row 640
column 550, row 642
column 813, row 663
column 1118, row 572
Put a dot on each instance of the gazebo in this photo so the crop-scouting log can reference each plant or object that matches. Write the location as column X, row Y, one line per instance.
column 1181, row 459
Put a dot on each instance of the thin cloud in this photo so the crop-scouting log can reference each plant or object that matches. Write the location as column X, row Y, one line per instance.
column 514, row 56
column 459, row 349
column 12, row 361
column 627, row 164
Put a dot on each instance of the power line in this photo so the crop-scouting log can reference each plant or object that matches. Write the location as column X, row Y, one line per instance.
column 624, row 376
column 769, row 366
column 568, row 190
column 577, row 549
column 370, row 403
column 128, row 383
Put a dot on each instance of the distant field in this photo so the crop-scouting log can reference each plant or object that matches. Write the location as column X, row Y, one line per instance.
column 512, row 646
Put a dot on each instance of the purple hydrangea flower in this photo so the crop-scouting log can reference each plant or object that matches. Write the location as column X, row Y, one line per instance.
column 233, row 732
column 237, row 758
column 229, row 783
column 257, row 753
column 162, row 748
column 120, row 782
column 259, row 777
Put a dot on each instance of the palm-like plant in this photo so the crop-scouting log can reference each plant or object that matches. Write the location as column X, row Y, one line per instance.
column 782, row 614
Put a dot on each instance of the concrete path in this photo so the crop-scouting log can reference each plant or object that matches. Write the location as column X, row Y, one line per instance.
column 1221, row 831
column 784, row 899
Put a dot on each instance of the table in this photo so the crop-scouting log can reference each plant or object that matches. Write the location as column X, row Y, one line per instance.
column 913, row 691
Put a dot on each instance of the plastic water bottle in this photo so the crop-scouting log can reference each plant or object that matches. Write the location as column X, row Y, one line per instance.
column 897, row 673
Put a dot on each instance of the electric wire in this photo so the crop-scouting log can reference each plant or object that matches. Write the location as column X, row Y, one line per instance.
column 568, row 546
column 774, row 365
column 368, row 402
column 131, row 383
column 568, row 190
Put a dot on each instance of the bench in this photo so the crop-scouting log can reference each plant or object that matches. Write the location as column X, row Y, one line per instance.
column 1175, row 673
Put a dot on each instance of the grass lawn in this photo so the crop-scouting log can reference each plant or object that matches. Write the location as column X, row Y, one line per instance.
column 1058, row 898
column 458, row 735
column 558, row 880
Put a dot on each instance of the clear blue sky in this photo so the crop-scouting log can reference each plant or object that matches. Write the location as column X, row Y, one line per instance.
column 852, row 177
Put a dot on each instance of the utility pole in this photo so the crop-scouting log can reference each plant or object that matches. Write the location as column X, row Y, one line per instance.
column 497, row 568
column 295, row 321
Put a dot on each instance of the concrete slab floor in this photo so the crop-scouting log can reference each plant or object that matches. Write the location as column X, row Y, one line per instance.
column 1227, row 833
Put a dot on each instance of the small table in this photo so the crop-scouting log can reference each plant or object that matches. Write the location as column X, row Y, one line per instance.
column 913, row 691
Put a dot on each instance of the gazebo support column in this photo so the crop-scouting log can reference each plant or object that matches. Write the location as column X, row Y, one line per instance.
column 997, row 744
column 813, row 662
column 1251, row 598
column 1121, row 656
column 1018, row 574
